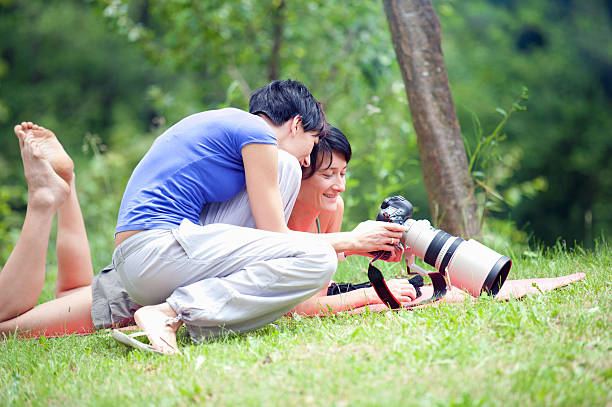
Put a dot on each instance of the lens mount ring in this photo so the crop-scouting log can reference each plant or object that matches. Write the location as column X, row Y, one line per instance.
column 435, row 246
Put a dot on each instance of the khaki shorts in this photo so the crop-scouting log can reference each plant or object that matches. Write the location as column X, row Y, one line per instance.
column 112, row 306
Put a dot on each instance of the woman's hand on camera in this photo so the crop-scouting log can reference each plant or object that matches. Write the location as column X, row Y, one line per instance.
column 370, row 236
column 373, row 235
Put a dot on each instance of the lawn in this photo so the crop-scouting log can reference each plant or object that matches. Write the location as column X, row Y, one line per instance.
column 553, row 349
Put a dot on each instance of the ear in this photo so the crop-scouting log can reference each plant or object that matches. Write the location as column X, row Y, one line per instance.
column 296, row 122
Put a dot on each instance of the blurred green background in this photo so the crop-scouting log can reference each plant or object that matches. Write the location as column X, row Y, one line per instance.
column 108, row 76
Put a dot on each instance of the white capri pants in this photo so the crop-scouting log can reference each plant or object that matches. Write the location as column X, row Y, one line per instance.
column 222, row 276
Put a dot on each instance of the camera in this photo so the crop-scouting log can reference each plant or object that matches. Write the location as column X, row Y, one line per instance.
column 467, row 265
column 396, row 209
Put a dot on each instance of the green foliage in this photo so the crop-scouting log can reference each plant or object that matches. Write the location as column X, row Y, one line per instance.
column 489, row 168
column 63, row 69
column 484, row 151
column 13, row 201
column 122, row 71
column 355, row 75
column 558, row 151
column 107, row 96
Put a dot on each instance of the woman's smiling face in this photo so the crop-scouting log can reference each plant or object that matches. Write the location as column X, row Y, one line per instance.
column 321, row 190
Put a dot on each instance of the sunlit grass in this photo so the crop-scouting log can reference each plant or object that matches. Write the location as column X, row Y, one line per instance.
column 551, row 349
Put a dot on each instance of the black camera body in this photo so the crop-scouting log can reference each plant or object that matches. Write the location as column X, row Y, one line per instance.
column 395, row 209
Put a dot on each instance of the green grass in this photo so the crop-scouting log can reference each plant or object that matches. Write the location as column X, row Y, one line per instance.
column 553, row 349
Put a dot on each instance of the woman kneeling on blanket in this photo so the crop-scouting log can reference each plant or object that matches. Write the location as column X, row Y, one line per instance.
column 51, row 189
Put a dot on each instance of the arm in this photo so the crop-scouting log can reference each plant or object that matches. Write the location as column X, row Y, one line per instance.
column 260, row 170
column 322, row 304
column 366, row 237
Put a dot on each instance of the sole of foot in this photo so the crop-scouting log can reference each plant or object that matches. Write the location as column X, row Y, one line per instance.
column 153, row 320
column 51, row 148
column 46, row 189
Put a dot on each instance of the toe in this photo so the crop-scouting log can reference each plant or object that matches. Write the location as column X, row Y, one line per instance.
column 21, row 136
column 33, row 146
column 19, row 133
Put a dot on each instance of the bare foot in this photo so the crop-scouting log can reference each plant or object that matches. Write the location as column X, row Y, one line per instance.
column 45, row 188
column 154, row 321
column 51, row 148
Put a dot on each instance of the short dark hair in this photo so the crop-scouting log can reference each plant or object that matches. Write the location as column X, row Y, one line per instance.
column 334, row 142
column 283, row 100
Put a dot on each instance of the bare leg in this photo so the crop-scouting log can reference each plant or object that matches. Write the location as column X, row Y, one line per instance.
column 66, row 315
column 153, row 320
column 73, row 255
column 23, row 275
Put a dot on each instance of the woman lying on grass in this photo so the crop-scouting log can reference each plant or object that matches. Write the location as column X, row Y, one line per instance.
column 318, row 209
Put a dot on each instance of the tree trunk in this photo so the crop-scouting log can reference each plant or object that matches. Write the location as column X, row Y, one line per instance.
column 278, row 23
column 415, row 32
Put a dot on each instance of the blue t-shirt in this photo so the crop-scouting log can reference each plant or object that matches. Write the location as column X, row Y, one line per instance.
column 194, row 162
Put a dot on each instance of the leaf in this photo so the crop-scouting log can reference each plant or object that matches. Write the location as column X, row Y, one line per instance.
column 478, row 174
column 490, row 190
